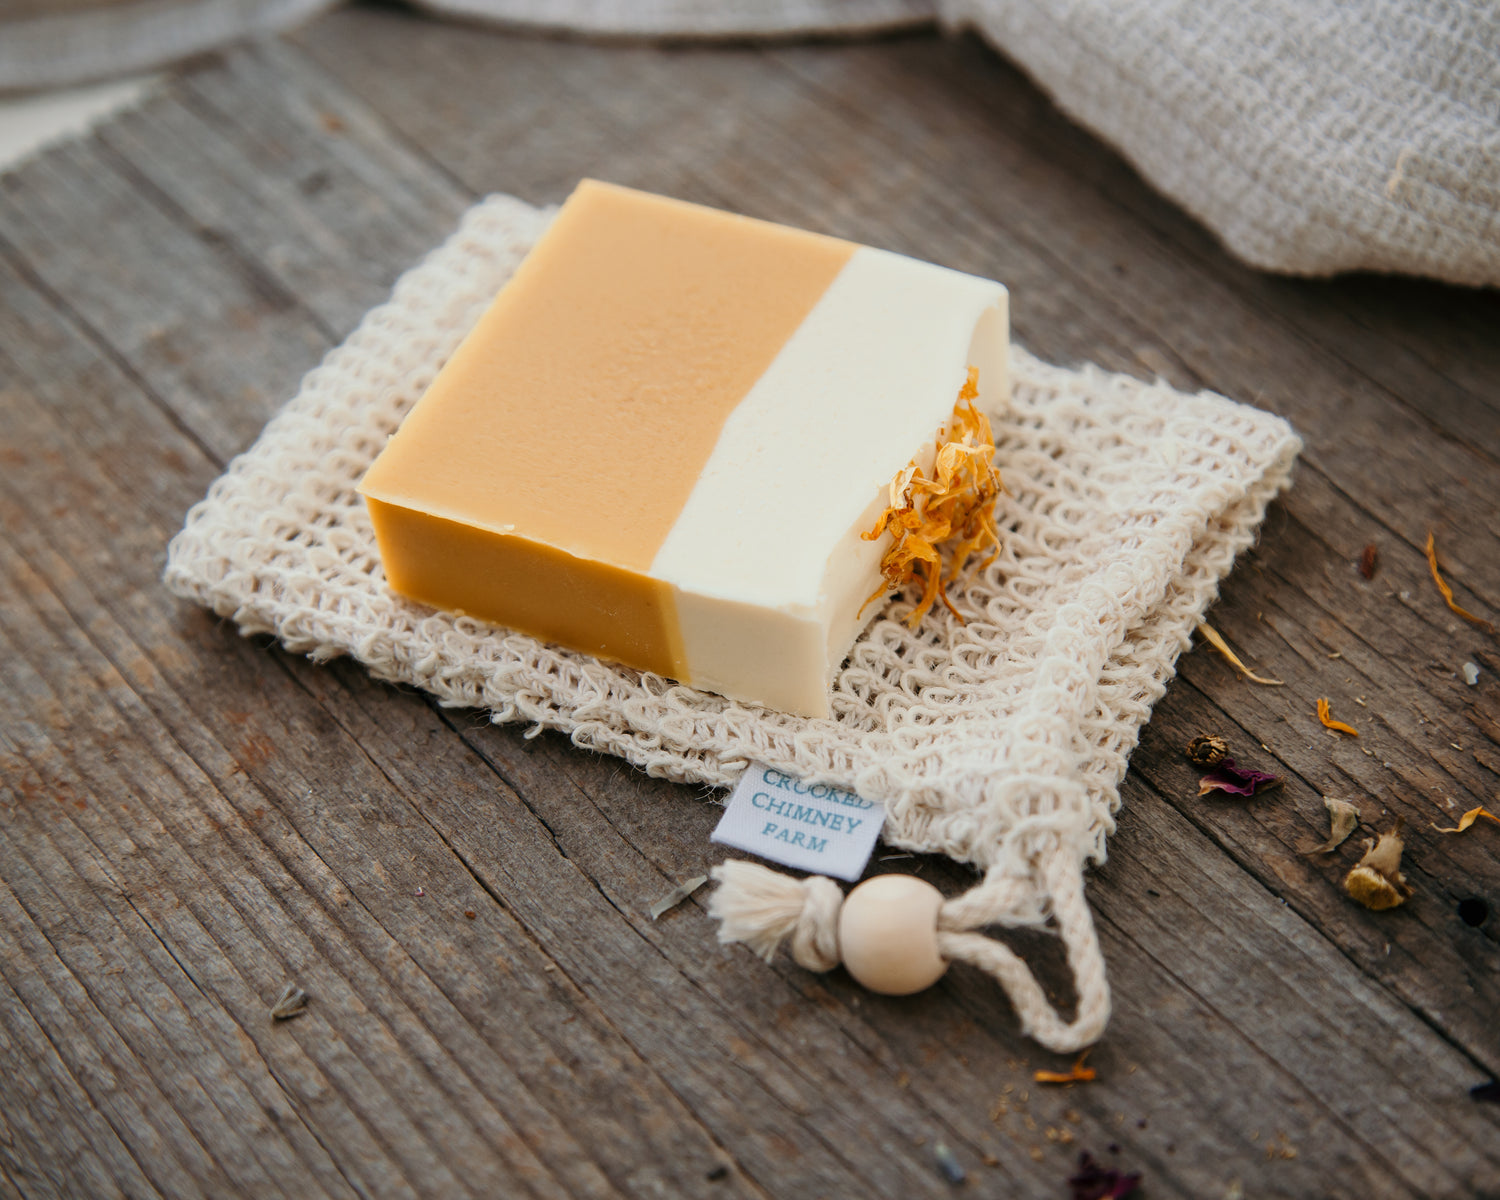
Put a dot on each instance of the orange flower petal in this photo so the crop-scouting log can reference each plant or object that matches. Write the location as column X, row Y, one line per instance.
column 1448, row 591
column 1077, row 1074
column 1468, row 819
column 955, row 503
column 1329, row 722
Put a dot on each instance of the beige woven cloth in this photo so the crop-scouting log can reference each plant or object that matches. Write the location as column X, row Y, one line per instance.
column 1312, row 136
column 999, row 741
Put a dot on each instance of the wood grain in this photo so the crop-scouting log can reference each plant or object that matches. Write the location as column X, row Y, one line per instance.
column 189, row 820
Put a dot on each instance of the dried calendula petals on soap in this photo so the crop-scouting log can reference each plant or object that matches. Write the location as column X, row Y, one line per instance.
column 1344, row 818
column 955, row 505
column 1376, row 880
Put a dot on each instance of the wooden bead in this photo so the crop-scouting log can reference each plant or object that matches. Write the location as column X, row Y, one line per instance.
column 888, row 934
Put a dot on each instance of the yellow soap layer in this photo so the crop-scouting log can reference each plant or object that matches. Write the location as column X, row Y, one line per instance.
column 583, row 406
column 510, row 580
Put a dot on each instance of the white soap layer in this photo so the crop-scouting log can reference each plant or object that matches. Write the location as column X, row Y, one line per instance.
column 802, row 465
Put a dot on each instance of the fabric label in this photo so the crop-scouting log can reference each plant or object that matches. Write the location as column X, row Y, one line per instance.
column 814, row 827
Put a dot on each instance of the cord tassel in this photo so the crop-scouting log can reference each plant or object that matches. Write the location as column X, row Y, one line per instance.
column 895, row 934
column 761, row 908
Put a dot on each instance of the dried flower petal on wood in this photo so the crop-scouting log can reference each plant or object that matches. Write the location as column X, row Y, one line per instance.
column 1468, row 819
column 1236, row 780
column 1448, row 591
column 1368, row 561
column 1078, row 1073
column 1343, row 818
column 291, row 1003
column 955, row 504
column 1325, row 715
column 677, row 895
column 1376, row 880
column 1219, row 644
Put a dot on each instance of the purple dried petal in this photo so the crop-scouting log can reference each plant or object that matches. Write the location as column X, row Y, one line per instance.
column 1237, row 781
column 1094, row 1182
column 1487, row 1091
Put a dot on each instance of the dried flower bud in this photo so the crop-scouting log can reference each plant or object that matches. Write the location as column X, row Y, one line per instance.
column 1207, row 750
column 1376, row 881
column 1372, row 889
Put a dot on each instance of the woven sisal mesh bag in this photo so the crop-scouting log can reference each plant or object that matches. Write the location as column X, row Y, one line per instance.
column 999, row 740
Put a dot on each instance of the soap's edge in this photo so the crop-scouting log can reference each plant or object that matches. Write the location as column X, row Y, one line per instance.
column 630, row 618
column 588, row 183
column 754, row 653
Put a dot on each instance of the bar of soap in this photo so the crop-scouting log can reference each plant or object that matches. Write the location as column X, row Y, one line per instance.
column 662, row 441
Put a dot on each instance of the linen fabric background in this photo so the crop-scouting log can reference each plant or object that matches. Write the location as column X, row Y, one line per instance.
column 1312, row 136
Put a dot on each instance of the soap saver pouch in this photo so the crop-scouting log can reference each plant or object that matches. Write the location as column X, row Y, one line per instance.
column 996, row 735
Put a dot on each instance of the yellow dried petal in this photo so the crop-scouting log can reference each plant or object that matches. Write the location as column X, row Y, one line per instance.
column 1448, row 591
column 956, row 502
column 1468, row 819
column 1343, row 817
column 1219, row 644
column 1078, row 1073
column 901, row 487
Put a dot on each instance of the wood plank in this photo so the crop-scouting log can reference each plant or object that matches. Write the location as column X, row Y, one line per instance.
column 1276, row 1029
column 52, row 722
column 249, row 817
column 290, row 906
column 275, row 161
column 57, row 1142
column 197, row 347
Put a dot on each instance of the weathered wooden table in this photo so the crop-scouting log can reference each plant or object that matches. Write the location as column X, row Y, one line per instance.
column 191, row 819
